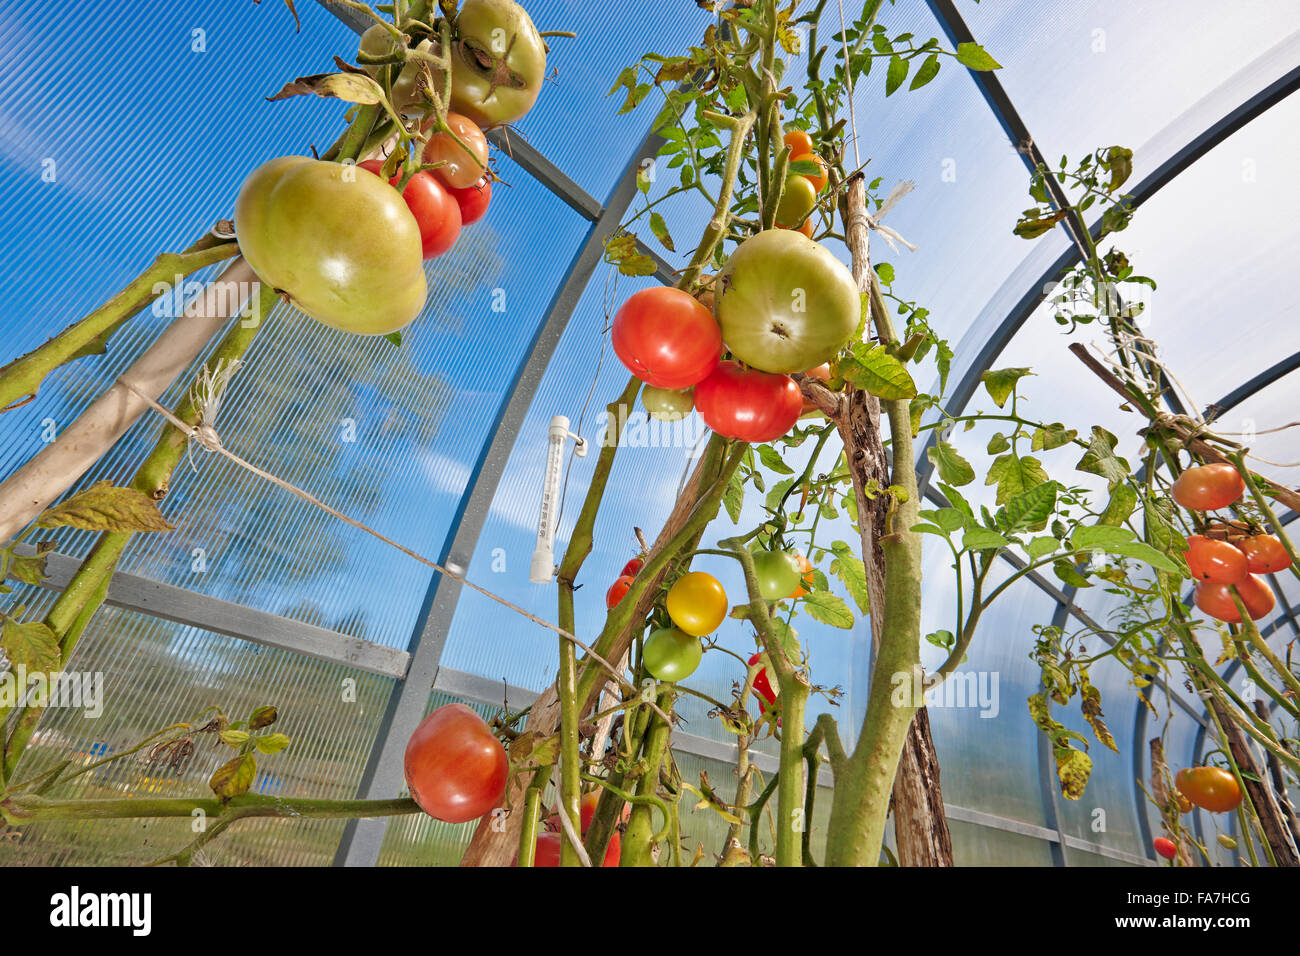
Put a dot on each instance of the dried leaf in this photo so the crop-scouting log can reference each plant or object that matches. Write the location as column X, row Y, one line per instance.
column 103, row 507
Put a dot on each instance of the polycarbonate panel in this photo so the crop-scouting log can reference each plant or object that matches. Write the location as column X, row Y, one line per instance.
column 155, row 674
column 1087, row 74
column 986, row 742
column 974, row 845
column 1272, row 453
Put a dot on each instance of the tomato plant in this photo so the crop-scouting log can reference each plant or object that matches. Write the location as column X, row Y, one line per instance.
column 819, row 179
column 670, row 654
column 785, row 303
column 666, row 338
column 633, row 567
column 498, row 62
column 799, row 142
column 1210, row 788
column 1165, row 847
column 1208, row 487
column 1215, row 561
column 697, row 603
column 431, row 204
column 1264, row 553
column 463, row 153
column 455, row 767
column 344, row 247
column 748, row 404
column 797, row 201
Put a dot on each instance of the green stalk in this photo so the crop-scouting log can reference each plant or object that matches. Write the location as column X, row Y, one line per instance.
column 528, row 834
column 638, row 843
column 20, row 809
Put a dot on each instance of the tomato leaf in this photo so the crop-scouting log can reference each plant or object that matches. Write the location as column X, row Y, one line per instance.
column 896, row 74
column 1048, row 437
column 952, row 467
column 1030, row 509
column 1033, row 226
column 103, row 507
column 928, row 71
column 660, row 230
column 624, row 252
column 1123, row 499
column 770, row 459
column 31, row 645
column 1041, row 547
column 263, row 716
column 1100, row 458
column 975, row 57
column 271, row 743
column 829, row 609
column 25, row 568
column 234, row 738
column 234, row 776
column 982, row 539
column 873, row 369
column 848, row 567
column 1014, row 475
column 1000, row 383
column 349, row 87
column 733, row 496
column 1073, row 767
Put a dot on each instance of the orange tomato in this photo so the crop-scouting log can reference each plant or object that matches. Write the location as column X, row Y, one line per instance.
column 805, row 576
column 819, row 179
column 799, row 142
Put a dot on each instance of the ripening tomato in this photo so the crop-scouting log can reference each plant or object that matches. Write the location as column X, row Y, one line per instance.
column 344, row 247
column 407, row 93
column 1165, row 847
column 472, row 200
column 822, row 373
column 587, row 809
column 785, row 303
column 1184, row 805
column 777, row 573
column 498, row 62
column 799, row 142
column 806, row 577
column 1264, row 553
column 433, row 207
column 633, row 567
column 1208, row 487
column 666, row 338
column 548, row 850
column 617, row 591
column 697, row 603
column 455, row 767
column 666, row 404
column 806, row 228
column 747, row 404
column 671, row 655
column 1210, row 788
column 796, row 203
column 1216, row 599
column 464, row 162
column 818, row 179
column 1215, row 561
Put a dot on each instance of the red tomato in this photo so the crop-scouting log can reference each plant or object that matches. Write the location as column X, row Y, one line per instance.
column 1165, row 847
column 617, row 591
column 762, row 686
column 548, row 850
column 818, row 180
column 1264, row 554
column 588, row 809
column 666, row 338
column 633, row 567
column 1208, row 487
column 456, row 768
column 472, row 200
column 434, row 209
column 1216, row 599
column 1215, row 561
column 747, row 404
column 799, row 142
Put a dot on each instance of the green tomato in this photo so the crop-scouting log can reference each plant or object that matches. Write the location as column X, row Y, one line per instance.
column 778, row 574
column 785, row 303
column 796, row 203
column 498, row 62
column 666, row 404
column 405, row 94
column 671, row 655
column 342, row 244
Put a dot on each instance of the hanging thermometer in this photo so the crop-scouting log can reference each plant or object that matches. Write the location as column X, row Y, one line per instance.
column 543, row 567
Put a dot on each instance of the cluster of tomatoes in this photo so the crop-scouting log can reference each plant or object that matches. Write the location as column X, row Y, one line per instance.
column 782, row 304
column 801, row 189
column 549, row 843
column 1220, row 565
column 347, row 247
column 1210, row 788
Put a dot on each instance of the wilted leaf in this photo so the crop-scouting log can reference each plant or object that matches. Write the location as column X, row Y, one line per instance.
column 349, row 87
column 234, row 776
column 31, row 645
column 1073, row 767
column 234, row 738
column 623, row 252
column 660, row 229
column 1100, row 458
column 103, row 507
column 264, row 716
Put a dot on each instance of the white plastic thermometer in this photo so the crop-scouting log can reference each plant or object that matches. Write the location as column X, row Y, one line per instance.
column 543, row 567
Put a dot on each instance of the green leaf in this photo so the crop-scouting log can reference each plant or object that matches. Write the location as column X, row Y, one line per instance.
column 1014, row 475
column 896, row 75
column 957, row 501
column 949, row 519
column 975, row 57
column 1069, row 574
column 873, row 369
column 234, row 776
column 103, row 507
column 1123, row 499
column 234, row 738
column 928, row 71
column 952, row 467
column 1100, row 458
column 1029, row 510
column 944, row 639
column 828, row 609
column 25, row 568
column 981, row 539
column 1052, row 436
column 394, row 337
column 271, row 743
column 1043, row 546
column 885, row 271
column 31, row 645
column 1144, row 552
column 848, row 567
column 773, row 461
column 1000, row 383
column 660, row 229
column 1099, row 537
column 734, row 496
column 998, row 444
column 1160, row 530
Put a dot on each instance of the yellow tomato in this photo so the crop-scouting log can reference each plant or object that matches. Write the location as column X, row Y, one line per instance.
column 697, row 603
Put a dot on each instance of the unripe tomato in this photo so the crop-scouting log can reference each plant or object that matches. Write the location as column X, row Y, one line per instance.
column 671, row 655
column 697, row 603
column 818, row 180
column 473, row 200
column 633, row 567
column 1264, row 554
column 799, row 142
column 1165, row 847
column 1208, row 487
column 666, row 338
column 1210, row 788
column 777, row 573
column 434, row 209
column 665, row 404
column 342, row 245
column 461, row 167
column 785, row 303
column 406, row 93
column 806, row 579
column 1227, row 842
column 498, row 62
column 456, row 768
column 548, row 850
column 617, row 591
column 747, row 404
column 797, row 201
column 1216, row 599
column 1215, row 561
